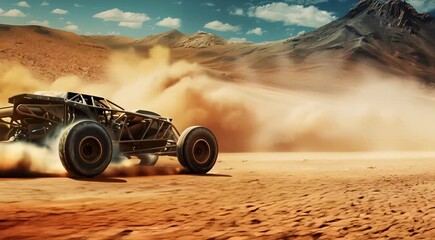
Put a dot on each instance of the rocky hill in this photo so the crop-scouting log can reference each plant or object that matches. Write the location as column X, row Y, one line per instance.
column 51, row 53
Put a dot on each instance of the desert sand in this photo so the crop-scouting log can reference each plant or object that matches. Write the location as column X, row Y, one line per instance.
column 246, row 196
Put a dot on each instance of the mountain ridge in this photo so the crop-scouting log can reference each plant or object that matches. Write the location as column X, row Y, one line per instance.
column 390, row 34
column 399, row 12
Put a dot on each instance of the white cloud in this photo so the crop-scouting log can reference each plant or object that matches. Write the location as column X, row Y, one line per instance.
column 72, row 27
column 44, row 23
column 222, row 27
column 256, row 31
column 77, row 5
column 299, row 15
column 120, row 16
column 59, row 11
column 422, row 5
column 125, row 19
column 209, row 4
column 130, row 24
column 12, row 13
column 45, row 3
column 237, row 40
column 170, row 22
column 237, row 11
column 23, row 4
column 1, row 11
column 178, row 3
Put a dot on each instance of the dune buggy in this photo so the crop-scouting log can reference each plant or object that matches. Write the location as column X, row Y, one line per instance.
column 97, row 130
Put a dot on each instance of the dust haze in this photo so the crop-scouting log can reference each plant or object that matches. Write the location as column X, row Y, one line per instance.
column 30, row 161
column 373, row 112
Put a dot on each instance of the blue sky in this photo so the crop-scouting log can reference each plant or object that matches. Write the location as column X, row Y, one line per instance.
column 250, row 20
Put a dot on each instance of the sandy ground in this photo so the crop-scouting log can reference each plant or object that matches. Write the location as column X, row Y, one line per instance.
column 246, row 196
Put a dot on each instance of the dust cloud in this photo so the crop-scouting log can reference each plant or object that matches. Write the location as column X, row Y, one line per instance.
column 374, row 113
column 21, row 159
column 26, row 160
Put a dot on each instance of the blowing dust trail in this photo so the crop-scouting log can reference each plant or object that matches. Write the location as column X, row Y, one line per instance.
column 27, row 160
column 377, row 113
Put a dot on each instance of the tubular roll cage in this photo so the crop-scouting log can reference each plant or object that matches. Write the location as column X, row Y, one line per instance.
column 157, row 136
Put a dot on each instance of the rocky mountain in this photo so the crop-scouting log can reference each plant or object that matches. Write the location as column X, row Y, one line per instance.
column 394, row 12
column 170, row 39
column 391, row 34
column 201, row 40
column 173, row 39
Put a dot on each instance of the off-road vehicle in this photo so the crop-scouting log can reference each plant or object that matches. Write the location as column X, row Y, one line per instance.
column 95, row 130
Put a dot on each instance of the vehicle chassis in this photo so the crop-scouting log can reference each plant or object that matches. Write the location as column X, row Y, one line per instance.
column 32, row 117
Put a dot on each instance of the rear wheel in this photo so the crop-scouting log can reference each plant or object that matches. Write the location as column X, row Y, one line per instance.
column 85, row 149
column 197, row 149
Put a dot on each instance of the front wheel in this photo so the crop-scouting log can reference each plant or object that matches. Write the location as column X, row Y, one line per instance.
column 197, row 150
column 85, row 149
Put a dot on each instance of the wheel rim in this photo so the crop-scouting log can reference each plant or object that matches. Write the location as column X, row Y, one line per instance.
column 201, row 151
column 90, row 149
